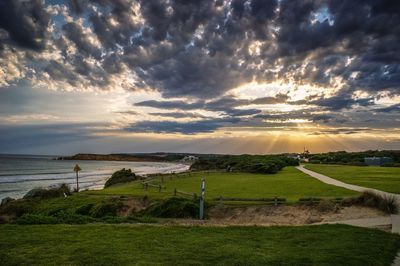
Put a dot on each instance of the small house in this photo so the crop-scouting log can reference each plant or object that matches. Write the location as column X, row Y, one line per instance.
column 377, row 161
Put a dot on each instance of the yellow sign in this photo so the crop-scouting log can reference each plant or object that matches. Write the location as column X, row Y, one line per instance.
column 77, row 168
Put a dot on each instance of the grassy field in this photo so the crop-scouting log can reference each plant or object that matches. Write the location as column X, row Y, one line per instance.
column 99, row 244
column 289, row 183
column 382, row 178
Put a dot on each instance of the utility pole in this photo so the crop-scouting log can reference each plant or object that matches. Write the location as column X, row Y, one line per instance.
column 203, row 190
column 76, row 170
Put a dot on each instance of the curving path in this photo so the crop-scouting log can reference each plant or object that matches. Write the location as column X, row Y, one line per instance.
column 334, row 182
column 393, row 220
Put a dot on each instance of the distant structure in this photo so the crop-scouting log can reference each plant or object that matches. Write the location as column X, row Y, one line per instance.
column 306, row 152
column 189, row 158
column 301, row 157
column 377, row 160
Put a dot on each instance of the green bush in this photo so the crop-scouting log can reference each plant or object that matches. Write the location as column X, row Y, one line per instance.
column 121, row 176
column 85, row 209
column 106, row 208
column 262, row 164
column 326, row 206
column 174, row 208
column 386, row 204
column 18, row 207
column 46, row 193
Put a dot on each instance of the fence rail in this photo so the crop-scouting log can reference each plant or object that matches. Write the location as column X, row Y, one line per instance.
column 317, row 200
column 275, row 200
column 184, row 193
column 146, row 186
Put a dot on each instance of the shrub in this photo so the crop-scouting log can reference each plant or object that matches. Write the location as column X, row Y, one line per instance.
column 174, row 208
column 121, row 176
column 262, row 164
column 326, row 206
column 384, row 203
column 106, row 208
column 85, row 209
column 46, row 193
column 18, row 207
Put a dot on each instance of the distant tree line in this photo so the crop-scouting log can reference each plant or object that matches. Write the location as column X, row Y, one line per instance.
column 262, row 164
column 354, row 158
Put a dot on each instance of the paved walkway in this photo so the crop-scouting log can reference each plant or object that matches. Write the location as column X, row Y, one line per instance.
column 334, row 182
column 393, row 220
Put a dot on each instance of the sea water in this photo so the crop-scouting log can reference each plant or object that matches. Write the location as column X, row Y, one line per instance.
column 21, row 173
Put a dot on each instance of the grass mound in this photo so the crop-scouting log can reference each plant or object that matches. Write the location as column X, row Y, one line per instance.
column 174, row 208
column 121, row 176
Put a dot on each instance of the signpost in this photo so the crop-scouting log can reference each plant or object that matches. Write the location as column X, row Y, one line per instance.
column 76, row 170
column 203, row 189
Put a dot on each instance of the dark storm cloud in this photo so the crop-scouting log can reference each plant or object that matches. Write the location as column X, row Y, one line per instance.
column 341, row 101
column 15, row 137
column 74, row 32
column 202, row 126
column 279, row 98
column 390, row 109
column 179, row 115
column 171, row 104
column 26, row 22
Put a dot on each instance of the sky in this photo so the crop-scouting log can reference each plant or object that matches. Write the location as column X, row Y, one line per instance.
column 215, row 76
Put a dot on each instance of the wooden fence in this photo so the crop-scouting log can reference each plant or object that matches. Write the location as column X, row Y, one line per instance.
column 275, row 201
column 184, row 193
column 317, row 200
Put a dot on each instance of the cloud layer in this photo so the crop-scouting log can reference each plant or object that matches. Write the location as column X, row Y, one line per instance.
column 196, row 54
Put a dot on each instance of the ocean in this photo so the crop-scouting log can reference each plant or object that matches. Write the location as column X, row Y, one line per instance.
column 21, row 173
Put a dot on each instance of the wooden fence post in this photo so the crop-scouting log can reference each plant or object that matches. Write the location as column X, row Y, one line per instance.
column 174, row 191
column 159, row 188
column 146, row 186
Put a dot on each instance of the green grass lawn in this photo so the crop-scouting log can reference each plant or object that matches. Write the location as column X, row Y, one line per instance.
column 100, row 244
column 289, row 183
column 382, row 178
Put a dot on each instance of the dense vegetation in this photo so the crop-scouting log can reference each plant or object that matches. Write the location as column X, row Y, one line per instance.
column 77, row 208
column 353, row 158
column 382, row 178
column 121, row 176
column 98, row 244
column 260, row 164
column 174, row 208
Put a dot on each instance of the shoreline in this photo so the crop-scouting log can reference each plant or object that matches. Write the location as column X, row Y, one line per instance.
column 16, row 185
